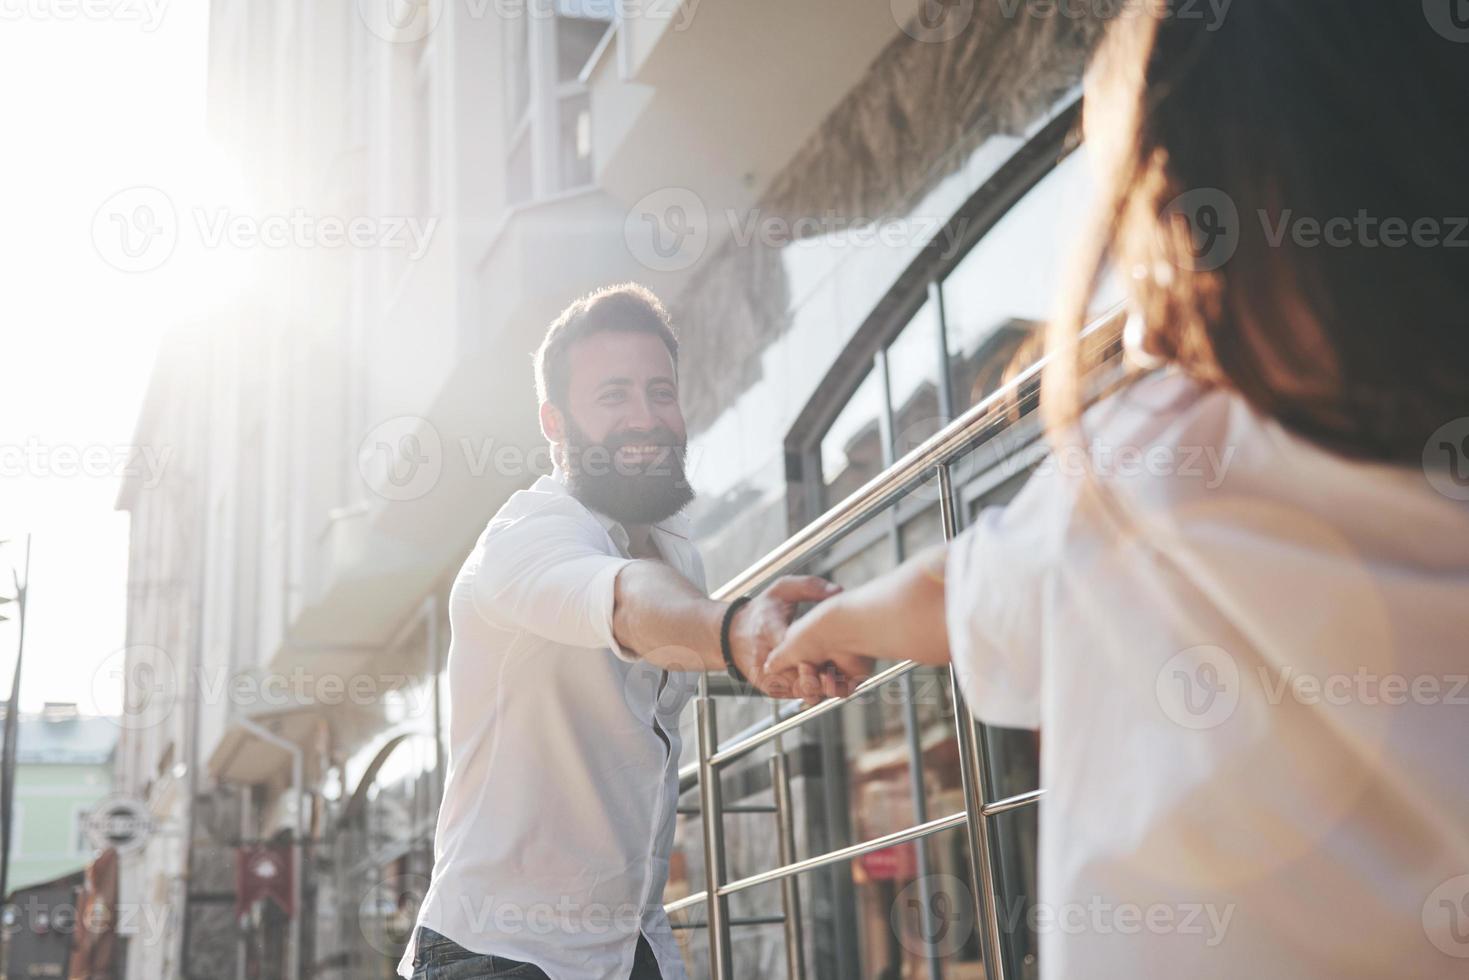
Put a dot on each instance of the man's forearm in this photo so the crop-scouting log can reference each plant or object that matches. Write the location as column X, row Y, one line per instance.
column 663, row 618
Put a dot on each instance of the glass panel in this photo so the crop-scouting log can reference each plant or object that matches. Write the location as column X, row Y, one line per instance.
column 575, row 139
column 914, row 362
column 1018, row 833
column 576, row 39
column 851, row 450
column 901, row 912
column 518, row 170
column 517, row 71
column 998, row 298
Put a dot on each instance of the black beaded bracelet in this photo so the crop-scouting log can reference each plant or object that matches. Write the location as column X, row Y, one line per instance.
column 724, row 650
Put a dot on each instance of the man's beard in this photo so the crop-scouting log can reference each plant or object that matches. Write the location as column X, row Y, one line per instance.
column 631, row 493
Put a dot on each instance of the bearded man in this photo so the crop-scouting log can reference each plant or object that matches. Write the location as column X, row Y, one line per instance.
column 577, row 621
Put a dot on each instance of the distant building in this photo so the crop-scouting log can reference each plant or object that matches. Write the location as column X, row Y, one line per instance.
column 63, row 767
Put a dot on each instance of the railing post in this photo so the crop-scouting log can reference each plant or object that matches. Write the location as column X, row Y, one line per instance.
column 716, row 906
column 978, row 788
column 790, row 893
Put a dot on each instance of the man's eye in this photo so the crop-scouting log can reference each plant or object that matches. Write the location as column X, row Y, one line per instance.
column 664, row 394
column 611, row 398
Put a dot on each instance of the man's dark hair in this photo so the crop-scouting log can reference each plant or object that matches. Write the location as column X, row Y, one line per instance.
column 626, row 306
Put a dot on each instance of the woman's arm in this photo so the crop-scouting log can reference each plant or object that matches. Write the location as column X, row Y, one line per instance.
column 897, row 616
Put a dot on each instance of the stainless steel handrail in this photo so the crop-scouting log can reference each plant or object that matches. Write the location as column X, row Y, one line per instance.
column 1016, row 802
column 913, row 468
column 847, row 853
column 933, row 456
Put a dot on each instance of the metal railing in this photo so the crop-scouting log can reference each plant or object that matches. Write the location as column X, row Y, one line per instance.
column 932, row 459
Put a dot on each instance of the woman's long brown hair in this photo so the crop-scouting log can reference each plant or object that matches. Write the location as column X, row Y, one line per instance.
column 1221, row 147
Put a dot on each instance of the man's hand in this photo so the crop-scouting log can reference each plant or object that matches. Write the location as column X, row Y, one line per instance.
column 761, row 625
column 816, row 658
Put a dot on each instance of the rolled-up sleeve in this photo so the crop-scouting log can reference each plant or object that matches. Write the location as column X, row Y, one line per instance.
column 546, row 573
column 996, row 579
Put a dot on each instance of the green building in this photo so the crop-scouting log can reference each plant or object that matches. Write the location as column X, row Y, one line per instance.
column 63, row 767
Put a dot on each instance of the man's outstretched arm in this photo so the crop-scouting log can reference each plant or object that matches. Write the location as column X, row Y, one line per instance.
column 663, row 618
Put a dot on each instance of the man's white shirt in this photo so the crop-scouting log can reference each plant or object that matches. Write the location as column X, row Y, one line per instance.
column 557, row 821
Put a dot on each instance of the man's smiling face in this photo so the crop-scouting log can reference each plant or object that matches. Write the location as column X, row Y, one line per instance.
column 622, row 431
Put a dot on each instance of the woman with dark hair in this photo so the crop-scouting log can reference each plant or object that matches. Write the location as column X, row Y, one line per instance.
column 1247, row 648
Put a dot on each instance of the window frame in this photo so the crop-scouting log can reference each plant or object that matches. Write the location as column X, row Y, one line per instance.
column 916, row 286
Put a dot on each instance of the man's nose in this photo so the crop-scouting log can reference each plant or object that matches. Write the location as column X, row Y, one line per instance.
column 640, row 417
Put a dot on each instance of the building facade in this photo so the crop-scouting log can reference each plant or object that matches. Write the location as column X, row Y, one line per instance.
column 858, row 214
column 64, row 763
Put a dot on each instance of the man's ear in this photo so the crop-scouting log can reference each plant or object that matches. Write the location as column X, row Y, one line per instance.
column 553, row 424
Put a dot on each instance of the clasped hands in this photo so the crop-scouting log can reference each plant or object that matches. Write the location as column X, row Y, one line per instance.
column 808, row 658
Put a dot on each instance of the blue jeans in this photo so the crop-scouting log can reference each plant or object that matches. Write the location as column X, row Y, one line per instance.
column 441, row 958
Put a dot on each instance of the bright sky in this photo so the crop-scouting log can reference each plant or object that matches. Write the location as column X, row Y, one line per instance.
column 99, row 97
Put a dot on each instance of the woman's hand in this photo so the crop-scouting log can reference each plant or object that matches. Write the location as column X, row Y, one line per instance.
column 815, row 657
column 898, row 616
